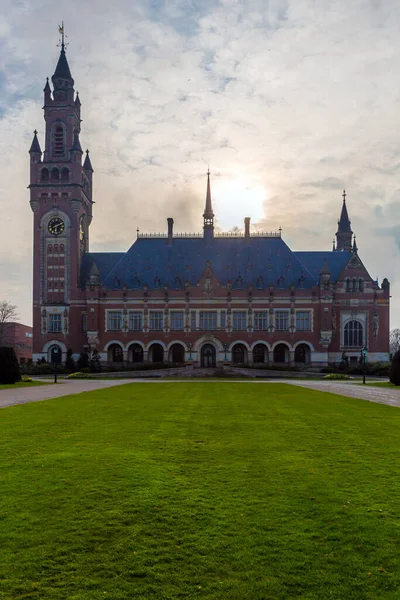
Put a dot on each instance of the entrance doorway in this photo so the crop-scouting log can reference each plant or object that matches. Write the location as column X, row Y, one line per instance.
column 208, row 356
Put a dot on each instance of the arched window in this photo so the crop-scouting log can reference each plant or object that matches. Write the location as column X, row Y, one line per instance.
column 347, row 285
column 64, row 174
column 115, row 353
column 58, row 141
column 260, row 283
column 353, row 334
column 61, row 248
column 361, row 285
column 49, row 249
column 355, row 287
column 55, row 248
column 55, row 175
column 44, row 175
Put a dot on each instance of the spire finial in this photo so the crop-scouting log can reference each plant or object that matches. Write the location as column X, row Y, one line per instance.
column 344, row 195
column 35, row 132
column 61, row 30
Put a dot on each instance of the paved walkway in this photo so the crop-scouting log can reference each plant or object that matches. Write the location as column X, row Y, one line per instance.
column 12, row 396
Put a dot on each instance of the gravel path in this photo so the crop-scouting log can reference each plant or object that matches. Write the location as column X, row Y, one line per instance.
column 10, row 397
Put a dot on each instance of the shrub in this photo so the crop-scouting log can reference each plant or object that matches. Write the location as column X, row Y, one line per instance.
column 95, row 365
column 395, row 369
column 27, row 379
column 83, row 361
column 69, row 361
column 9, row 367
column 80, row 375
column 337, row 376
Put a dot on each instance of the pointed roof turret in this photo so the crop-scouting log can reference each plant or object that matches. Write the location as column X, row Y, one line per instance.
column 77, row 100
column 344, row 223
column 76, row 146
column 208, row 214
column 35, row 146
column 354, row 248
column 62, row 78
column 87, row 165
column 62, row 69
column 47, row 88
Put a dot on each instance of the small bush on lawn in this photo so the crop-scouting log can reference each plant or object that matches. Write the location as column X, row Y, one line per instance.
column 27, row 379
column 80, row 375
column 395, row 369
column 9, row 366
column 337, row 376
column 69, row 362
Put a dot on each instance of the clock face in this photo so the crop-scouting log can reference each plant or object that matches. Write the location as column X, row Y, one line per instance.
column 56, row 226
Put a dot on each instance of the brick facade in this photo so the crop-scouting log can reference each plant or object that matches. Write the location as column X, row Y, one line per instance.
column 204, row 298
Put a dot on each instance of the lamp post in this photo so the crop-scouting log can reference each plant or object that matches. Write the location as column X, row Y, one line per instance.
column 56, row 360
column 225, row 349
column 190, row 346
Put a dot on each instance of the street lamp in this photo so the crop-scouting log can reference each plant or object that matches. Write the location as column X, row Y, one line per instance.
column 190, row 346
column 56, row 359
column 225, row 348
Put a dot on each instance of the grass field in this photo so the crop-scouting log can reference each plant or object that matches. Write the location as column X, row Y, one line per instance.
column 200, row 490
column 22, row 384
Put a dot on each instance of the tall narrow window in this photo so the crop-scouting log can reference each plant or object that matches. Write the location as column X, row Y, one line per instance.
column 353, row 334
column 193, row 319
column 223, row 319
column 58, row 141
column 55, row 323
column 303, row 321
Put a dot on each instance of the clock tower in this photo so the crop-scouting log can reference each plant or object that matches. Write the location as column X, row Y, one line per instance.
column 61, row 201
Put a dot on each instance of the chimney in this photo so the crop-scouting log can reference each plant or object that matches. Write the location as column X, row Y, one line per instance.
column 247, row 227
column 170, row 222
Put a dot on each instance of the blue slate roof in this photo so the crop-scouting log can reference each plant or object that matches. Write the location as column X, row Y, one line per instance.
column 104, row 261
column 260, row 262
column 313, row 262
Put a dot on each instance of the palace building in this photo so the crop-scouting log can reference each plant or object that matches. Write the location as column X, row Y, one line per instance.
column 206, row 299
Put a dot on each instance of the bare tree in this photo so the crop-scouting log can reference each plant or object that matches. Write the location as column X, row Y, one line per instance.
column 8, row 314
column 394, row 340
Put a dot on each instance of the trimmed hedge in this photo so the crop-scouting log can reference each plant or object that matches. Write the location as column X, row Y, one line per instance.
column 337, row 377
column 9, row 366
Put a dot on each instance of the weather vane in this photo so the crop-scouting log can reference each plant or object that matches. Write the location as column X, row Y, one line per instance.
column 62, row 41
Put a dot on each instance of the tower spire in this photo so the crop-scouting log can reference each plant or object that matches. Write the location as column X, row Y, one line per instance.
column 62, row 79
column 344, row 232
column 208, row 214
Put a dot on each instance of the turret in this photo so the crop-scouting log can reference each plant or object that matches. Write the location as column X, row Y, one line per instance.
column 208, row 214
column 344, row 232
column 62, row 79
column 35, row 155
column 76, row 149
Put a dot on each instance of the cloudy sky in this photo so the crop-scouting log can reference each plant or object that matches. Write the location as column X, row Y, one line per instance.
column 288, row 101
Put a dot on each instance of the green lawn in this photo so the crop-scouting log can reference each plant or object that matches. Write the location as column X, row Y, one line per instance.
column 385, row 384
column 4, row 386
column 200, row 490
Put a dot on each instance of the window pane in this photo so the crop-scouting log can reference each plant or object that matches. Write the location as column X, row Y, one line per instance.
column 135, row 321
column 282, row 320
column 176, row 320
column 156, row 320
column 115, row 320
column 239, row 320
column 193, row 319
column 303, row 320
column 260, row 321
column 55, row 323
column 223, row 319
column 208, row 320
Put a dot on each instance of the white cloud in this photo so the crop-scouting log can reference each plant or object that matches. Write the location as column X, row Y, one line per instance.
column 299, row 98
